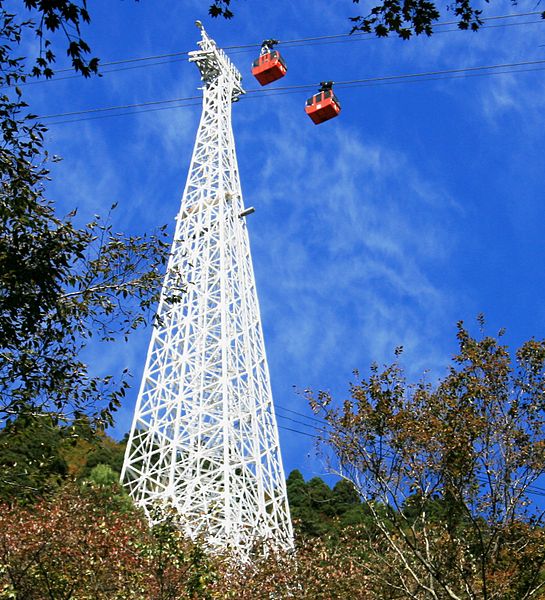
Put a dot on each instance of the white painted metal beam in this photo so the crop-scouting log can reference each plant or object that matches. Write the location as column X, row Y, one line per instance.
column 204, row 436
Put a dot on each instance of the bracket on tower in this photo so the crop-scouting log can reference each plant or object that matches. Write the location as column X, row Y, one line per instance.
column 213, row 62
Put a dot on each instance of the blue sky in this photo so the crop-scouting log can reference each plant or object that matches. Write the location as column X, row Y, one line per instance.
column 421, row 205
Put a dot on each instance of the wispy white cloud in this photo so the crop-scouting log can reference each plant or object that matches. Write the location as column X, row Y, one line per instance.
column 365, row 232
column 350, row 261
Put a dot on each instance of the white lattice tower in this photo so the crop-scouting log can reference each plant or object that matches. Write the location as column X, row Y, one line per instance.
column 204, row 436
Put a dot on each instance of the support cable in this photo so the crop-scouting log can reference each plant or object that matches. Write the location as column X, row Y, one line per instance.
column 536, row 489
column 167, row 58
column 120, row 107
column 533, row 490
column 412, row 75
column 367, row 82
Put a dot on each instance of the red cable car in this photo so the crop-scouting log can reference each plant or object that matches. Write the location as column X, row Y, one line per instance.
column 324, row 105
column 270, row 66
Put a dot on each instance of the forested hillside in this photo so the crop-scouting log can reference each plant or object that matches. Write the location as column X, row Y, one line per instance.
column 440, row 499
column 68, row 529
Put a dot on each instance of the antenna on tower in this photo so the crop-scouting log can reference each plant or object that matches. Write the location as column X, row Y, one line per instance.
column 204, row 436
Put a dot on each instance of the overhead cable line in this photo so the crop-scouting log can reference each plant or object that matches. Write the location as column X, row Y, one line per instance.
column 300, row 414
column 120, row 107
column 401, row 78
column 280, row 416
column 101, row 73
column 133, row 60
column 445, row 72
column 283, row 93
column 410, row 75
column 371, row 37
column 297, row 431
column 161, row 59
column 400, row 82
column 122, row 114
column 533, row 490
column 294, row 41
column 358, row 36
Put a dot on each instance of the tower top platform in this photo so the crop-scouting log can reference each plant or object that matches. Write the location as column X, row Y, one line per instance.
column 214, row 63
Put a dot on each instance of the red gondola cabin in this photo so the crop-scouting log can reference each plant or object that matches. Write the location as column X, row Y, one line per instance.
column 269, row 67
column 323, row 106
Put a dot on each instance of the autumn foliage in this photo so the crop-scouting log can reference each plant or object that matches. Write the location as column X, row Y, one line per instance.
column 438, row 500
column 449, row 473
column 84, row 544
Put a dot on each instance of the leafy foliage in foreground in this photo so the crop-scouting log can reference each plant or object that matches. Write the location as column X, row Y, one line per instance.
column 447, row 472
column 404, row 18
column 31, row 459
column 83, row 544
column 435, row 503
column 60, row 284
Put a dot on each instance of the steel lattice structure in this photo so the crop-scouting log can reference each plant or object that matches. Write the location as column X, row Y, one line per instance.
column 204, row 436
